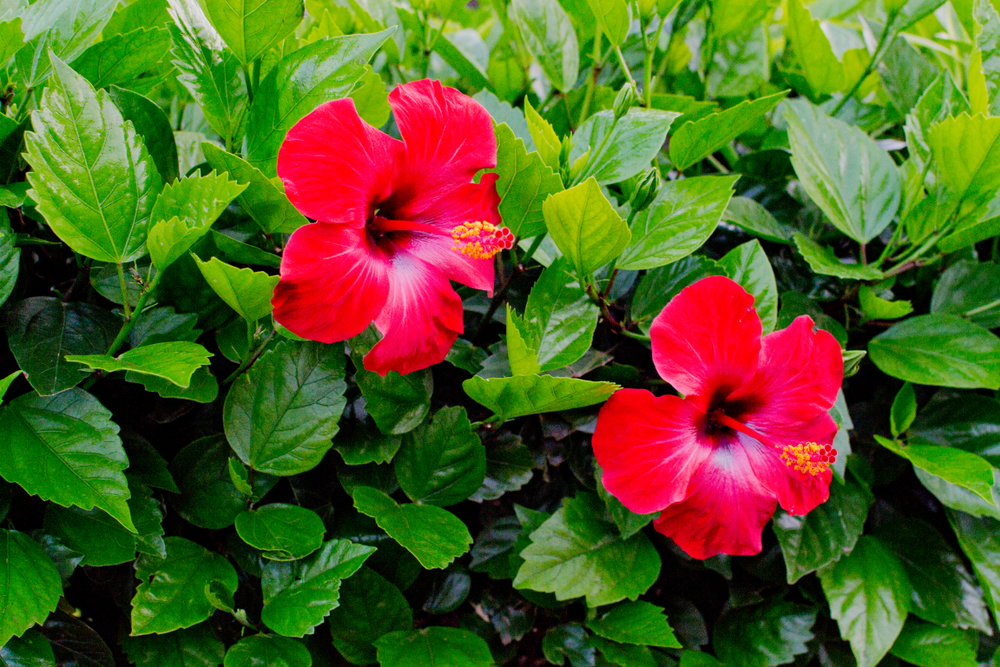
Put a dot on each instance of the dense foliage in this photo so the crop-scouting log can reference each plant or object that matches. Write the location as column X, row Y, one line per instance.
column 184, row 482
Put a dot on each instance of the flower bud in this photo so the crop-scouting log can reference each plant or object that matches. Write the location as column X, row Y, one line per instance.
column 646, row 191
column 626, row 98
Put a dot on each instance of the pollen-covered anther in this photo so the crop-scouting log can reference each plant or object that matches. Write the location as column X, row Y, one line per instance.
column 808, row 458
column 480, row 239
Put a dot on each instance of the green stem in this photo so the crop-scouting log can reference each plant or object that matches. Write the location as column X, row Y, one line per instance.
column 124, row 287
column 872, row 64
column 625, row 69
column 982, row 309
column 647, row 77
column 249, row 81
column 250, row 359
column 595, row 69
column 256, row 73
column 637, row 336
column 130, row 321
column 532, row 248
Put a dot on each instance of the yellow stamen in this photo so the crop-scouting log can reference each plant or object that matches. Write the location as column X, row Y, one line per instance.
column 480, row 239
column 808, row 458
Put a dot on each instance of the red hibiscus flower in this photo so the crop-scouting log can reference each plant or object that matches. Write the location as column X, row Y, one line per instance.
column 751, row 429
column 396, row 221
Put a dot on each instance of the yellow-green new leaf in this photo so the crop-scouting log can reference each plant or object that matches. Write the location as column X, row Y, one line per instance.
column 818, row 63
column 248, row 292
column 175, row 361
column 585, row 226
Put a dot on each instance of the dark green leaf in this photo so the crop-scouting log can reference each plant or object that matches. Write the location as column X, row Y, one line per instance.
column 969, row 421
column 439, row 646
column 93, row 533
column 360, row 442
column 509, row 466
column 534, row 394
column 753, row 218
column 194, row 647
column 763, row 637
column 76, row 643
column 281, row 532
column 121, row 59
column 638, row 622
column 10, row 260
column 658, row 286
column 568, row 641
column 904, row 409
column 281, row 415
column 31, row 650
column 441, row 462
column 927, row 645
column 397, row 403
column 370, row 607
column 267, row 651
column 970, row 289
column 30, row 586
column 171, row 594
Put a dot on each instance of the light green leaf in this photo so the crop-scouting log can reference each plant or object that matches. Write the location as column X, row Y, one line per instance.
column 619, row 150
column 204, row 388
column 466, row 51
column 298, row 596
column 748, row 265
column 30, row 586
column 370, row 607
column 693, row 141
column 869, row 596
column 436, row 645
column 549, row 36
column 322, row 71
column 281, row 415
column 248, row 292
column 579, row 552
column 560, row 316
column 281, row 532
column 613, row 17
column 523, row 183
column 66, row 449
column 987, row 42
column 818, row 64
column 121, row 59
column 7, row 381
column 194, row 647
column 93, row 179
column 927, row 645
column 764, row 636
column 434, row 535
column 544, row 137
column 267, row 651
column 441, row 462
column 585, row 227
column 678, row 222
column 65, row 28
column 263, row 201
column 877, row 308
column 941, row 350
column 171, row 594
column 639, row 622
column 183, row 213
column 822, row 260
column 751, row 217
column 904, row 410
column 740, row 64
column 174, row 361
column 853, row 181
column 11, row 39
column 825, row 534
column 522, row 357
column 524, row 395
column 251, row 27
column 956, row 466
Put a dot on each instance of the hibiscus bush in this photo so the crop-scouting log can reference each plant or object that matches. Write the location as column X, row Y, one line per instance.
column 649, row 333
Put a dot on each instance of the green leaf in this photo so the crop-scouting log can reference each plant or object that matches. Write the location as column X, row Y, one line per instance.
column 204, row 387
column 524, row 395
column 194, row 647
column 30, row 586
column 969, row 289
column 100, row 539
column 613, row 17
column 853, row 181
column 174, row 361
column 678, row 222
column 322, row 71
column 213, row 77
column 944, row 592
column 397, row 403
column 568, row 641
column 183, row 213
column 251, row 28
column 657, row 287
column 927, row 645
column 877, row 308
column 298, row 596
column 281, row 532
column 7, row 381
column 749, row 266
column 987, row 43
column 439, row 646
column 940, row 350
column 560, row 316
column 434, row 535
column 281, row 415
column 171, row 594
column 693, row 141
column 956, row 466
column 66, row 449
column 549, row 36
column 148, row 518
column 370, row 607
column 638, row 622
column 509, row 466
column 441, row 462
column 92, row 177
column 619, row 150
column 740, row 63
column 121, row 59
column 523, row 183
column 522, row 357
column 629, row 523
column 31, row 650
column 466, row 51
column 64, row 28
column 585, row 227
column 544, row 137
column 11, row 39
column 248, row 292
column 869, row 596
column 753, row 218
column 967, row 421
column 43, row 331
column 263, row 200
column 966, row 154
column 904, row 410
column 503, row 112
column 371, row 98
column 208, row 497
column 812, row 541
column 818, row 64
column 10, row 261
column 979, row 539
column 579, row 552
column 360, row 442
column 764, row 636
column 822, row 261
column 267, row 651
column 152, row 124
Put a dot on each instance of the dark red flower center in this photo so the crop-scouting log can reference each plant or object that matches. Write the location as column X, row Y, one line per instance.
column 477, row 239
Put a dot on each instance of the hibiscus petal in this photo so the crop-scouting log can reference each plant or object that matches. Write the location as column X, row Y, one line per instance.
column 421, row 319
column 470, row 202
column 648, row 448
column 448, row 137
column 707, row 339
column 799, row 373
column 334, row 282
column 729, row 502
column 335, row 166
